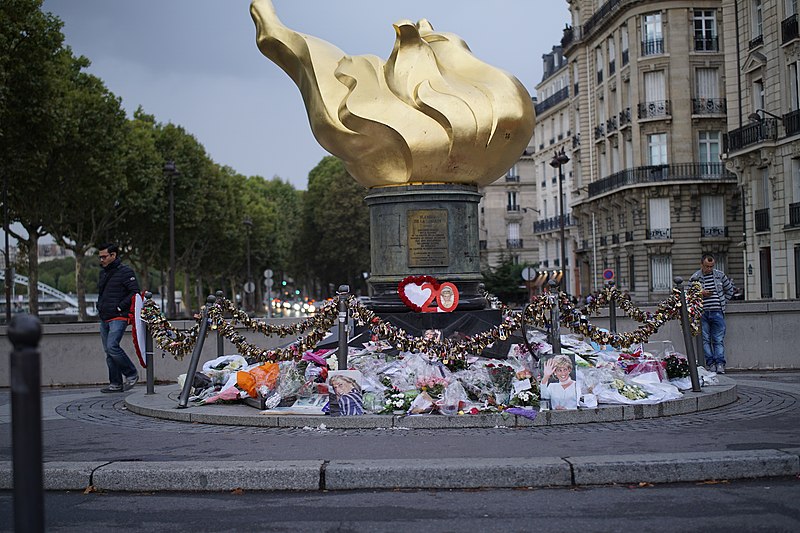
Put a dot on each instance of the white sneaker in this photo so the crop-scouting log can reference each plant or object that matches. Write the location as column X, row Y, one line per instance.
column 720, row 368
column 128, row 383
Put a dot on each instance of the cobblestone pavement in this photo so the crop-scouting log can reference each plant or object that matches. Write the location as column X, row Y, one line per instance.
column 83, row 424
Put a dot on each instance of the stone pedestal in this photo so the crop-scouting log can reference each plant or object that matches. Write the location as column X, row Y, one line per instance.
column 429, row 229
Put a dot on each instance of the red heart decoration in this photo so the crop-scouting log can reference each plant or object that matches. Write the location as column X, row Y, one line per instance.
column 412, row 291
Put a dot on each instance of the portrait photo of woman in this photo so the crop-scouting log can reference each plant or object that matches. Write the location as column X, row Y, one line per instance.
column 344, row 393
column 558, row 385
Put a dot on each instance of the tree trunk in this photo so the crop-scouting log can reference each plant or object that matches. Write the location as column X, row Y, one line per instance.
column 33, row 270
column 233, row 292
column 188, row 305
column 80, row 286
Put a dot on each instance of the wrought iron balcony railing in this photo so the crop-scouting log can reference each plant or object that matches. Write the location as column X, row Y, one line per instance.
column 714, row 231
column 659, row 173
column 755, row 42
column 706, row 44
column 628, row 236
column 625, row 117
column 789, row 29
column 611, row 124
column 791, row 122
column 552, row 223
column 651, row 47
column 750, row 134
column 794, row 214
column 512, row 178
column 659, row 233
column 514, row 243
column 599, row 131
column 550, row 101
column 654, row 109
column 709, row 106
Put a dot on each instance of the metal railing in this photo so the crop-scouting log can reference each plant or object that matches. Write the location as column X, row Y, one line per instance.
column 550, row 101
column 512, row 208
column 754, row 133
column 628, row 236
column 791, row 122
column 615, row 238
column 654, row 109
column 714, row 231
column 658, row 173
column 611, row 124
column 576, row 140
column 598, row 16
column 762, row 219
column 755, row 42
column 625, row 117
column 599, row 131
column 794, row 214
column 651, row 47
column 512, row 178
column 659, row 233
column 706, row 44
column 513, row 243
column 625, row 57
column 552, row 223
column 789, row 29
column 709, row 106
column 603, row 241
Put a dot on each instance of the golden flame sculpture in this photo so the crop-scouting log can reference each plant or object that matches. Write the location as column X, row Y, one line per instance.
column 432, row 113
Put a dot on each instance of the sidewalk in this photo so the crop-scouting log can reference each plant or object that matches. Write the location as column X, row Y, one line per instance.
column 93, row 439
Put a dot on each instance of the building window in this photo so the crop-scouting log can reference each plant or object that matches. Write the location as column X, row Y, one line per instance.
column 758, row 94
column 624, row 39
column 712, row 214
column 758, row 21
column 612, row 56
column 765, row 264
column 706, row 91
column 708, row 152
column 514, row 240
column 657, row 149
column 632, row 272
column 794, row 86
column 660, row 227
column 705, row 30
column 598, row 53
column 512, row 201
column 765, row 188
column 655, row 94
column 661, row 273
column 653, row 42
column 575, row 78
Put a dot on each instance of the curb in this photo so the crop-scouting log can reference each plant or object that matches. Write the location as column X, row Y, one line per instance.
column 389, row 474
column 163, row 405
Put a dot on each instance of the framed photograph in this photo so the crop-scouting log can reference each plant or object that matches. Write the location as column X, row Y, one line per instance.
column 558, row 388
column 345, row 396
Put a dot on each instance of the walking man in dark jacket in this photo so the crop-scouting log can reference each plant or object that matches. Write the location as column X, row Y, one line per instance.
column 117, row 286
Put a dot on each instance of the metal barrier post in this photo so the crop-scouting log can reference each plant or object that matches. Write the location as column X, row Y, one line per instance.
column 555, row 318
column 183, row 399
column 220, row 338
column 687, row 336
column 342, row 294
column 612, row 310
column 25, row 332
column 148, row 354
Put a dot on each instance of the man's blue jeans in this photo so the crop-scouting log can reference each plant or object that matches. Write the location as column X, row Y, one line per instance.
column 119, row 364
column 713, row 323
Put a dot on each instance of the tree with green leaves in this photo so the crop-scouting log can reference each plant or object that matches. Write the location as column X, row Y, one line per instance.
column 505, row 281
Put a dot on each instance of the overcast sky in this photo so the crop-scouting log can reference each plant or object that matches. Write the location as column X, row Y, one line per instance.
column 195, row 63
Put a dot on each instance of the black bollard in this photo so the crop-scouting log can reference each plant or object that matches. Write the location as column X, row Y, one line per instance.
column 612, row 309
column 220, row 338
column 148, row 355
column 183, row 399
column 342, row 294
column 25, row 332
column 687, row 336
column 555, row 318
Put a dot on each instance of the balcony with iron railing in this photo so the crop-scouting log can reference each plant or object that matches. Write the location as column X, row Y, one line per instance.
column 552, row 223
column 612, row 67
column 794, row 214
column 628, row 236
column 709, row 106
column 657, row 234
column 651, row 47
column 512, row 208
column 599, row 77
column 615, row 238
column 714, row 231
column 660, row 173
column 598, row 16
column 654, row 109
column 791, row 122
column 755, row 42
column 512, row 178
column 762, row 220
column 599, row 132
column 706, row 44
column 750, row 134
column 513, row 244
column 576, row 140
column 552, row 100
column 603, row 240
column 626, row 55
column 611, row 125
column 789, row 29
column 624, row 117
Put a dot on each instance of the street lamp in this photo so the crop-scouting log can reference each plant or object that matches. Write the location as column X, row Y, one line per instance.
column 248, row 223
column 170, row 172
column 559, row 160
column 8, row 279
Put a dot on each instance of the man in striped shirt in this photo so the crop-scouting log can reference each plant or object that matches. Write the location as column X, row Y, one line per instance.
column 717, row 292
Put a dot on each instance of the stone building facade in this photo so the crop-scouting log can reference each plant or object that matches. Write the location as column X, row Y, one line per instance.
column 762, row 68
column 649, row 191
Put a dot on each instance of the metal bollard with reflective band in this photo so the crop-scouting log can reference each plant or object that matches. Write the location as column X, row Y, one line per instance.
column 687, row 336
column 342, row 294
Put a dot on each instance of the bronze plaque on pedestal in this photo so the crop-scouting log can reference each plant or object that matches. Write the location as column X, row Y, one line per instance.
column 428, row 238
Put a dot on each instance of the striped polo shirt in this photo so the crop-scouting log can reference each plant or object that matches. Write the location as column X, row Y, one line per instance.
column 711, row 302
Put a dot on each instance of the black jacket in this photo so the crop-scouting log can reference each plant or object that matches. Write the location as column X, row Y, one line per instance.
column 117, row 286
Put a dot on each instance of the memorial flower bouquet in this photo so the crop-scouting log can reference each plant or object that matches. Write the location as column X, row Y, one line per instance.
column 677, row 366
column 397, row 400
column 525, row 398
column 502, row 376
column 433, row 385
column 629, row 390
